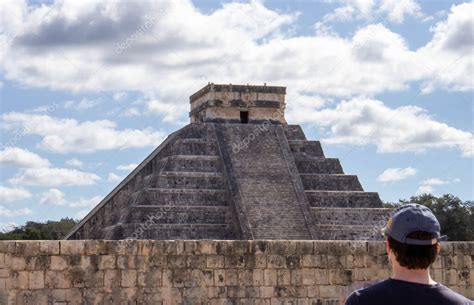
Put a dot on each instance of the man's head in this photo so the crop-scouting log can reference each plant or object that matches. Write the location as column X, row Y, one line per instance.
column 413, row 235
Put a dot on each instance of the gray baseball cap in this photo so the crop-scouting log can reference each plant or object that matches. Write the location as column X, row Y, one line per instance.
column 410, row 218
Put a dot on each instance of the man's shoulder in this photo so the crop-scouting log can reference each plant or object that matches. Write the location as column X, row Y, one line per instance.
column 389, row 290
column 374, row 291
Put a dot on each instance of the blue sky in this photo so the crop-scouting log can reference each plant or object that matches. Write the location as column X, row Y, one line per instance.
column 89, row 89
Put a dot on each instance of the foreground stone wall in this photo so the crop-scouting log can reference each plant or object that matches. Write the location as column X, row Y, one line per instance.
column 205, row 272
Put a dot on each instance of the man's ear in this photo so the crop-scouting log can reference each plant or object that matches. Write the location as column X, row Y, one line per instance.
column 387, row 247
column 438, row 248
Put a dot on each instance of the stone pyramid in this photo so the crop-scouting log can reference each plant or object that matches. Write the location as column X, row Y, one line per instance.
column 237, row 171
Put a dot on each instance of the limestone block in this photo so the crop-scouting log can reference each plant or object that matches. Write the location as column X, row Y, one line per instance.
column 17, row 263
column 206, row 247
column 57, row 280
column 58, row 262
column 283, row 277
column 270, row 277
column 49, row 247
column 107, row 262
column 215, row 261
column 71, row 247
column 128, row 278
column 275, row 261
column 196, row 261
column 2, row 260
column 36, row 280
column 308, row 276
column 219, row 277
column 37, row 262
column 111, row 279
column 321, row 276
column 340, row 276
column 27, row 248
column 19, row 279
column 231, row 277
column 258, row 277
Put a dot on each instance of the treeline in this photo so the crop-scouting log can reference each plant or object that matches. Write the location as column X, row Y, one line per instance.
column 40, row 230
column 456, row 218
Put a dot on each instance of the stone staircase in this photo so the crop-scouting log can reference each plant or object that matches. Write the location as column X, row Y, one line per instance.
column 267, row 193
column 341, row 208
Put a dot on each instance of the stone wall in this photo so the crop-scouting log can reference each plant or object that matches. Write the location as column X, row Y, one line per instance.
column 205, row 272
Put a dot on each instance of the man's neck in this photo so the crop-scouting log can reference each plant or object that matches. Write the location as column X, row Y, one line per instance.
column 420, row 276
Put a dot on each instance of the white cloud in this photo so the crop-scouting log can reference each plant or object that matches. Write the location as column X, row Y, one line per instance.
column 53, row 197
column 181, row 51
column 114, row 178
column 428, row 186
column 450, row 51
column 14, row 213
column 119, row 96
column 393, row 10
column 20, row 157
column 80, row 105
column 127, row 167
column 13, row 194
column 74, row 163
column 86, row 202
column 130, row 112
column 7, row 226
column 396, row 174
column 53, row 177
column 362, row 121
column 68, row 135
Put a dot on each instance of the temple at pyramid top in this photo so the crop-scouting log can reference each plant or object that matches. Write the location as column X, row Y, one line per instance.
column 217, row 103
column 237, row 171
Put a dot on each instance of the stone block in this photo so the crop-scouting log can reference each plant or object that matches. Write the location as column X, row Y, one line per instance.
column 283, row 277
column 36, row 279
column 27, row 248
column 49, row 247
column 71, row 247
column 128, row 278
column 219, row 277
column 107, row 262
column 231, row 277
column 19, row 279
column 57, row 280
column 270, row 277
column 275, row 261
column 215, row 261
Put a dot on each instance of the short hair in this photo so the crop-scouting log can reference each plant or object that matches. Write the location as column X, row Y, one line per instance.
column 414, row 256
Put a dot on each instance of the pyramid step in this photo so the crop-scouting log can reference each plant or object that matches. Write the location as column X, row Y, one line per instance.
column 307, row 165
column 192, row 163
column 197, row 131
column 188, row 180
column 206, row 147
column 331, row 182
column 294, row 132
column 351, row 216
column 343, row 199
column 185, row 197
column 178, row 231
column 349, row 232
column 180, row 214
column 310, row 148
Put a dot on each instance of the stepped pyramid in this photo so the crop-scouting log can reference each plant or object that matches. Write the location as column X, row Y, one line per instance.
column 237, row 171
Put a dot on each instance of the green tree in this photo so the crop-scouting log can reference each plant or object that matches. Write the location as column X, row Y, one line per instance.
column 455, row 216
column 40, row 231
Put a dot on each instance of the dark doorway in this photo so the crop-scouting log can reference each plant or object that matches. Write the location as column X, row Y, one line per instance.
column 244, row 117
